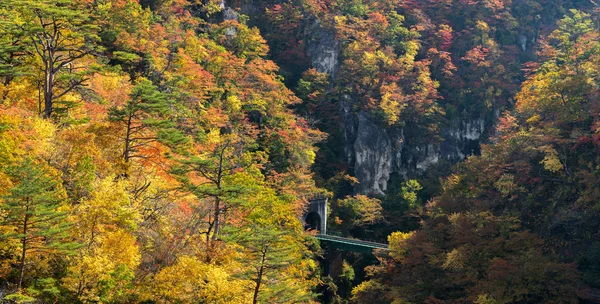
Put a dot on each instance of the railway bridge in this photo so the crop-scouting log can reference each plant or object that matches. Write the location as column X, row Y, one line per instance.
column 315, row 218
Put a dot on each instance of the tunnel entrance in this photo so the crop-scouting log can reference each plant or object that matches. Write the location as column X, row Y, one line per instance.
column 315, row 216
column 312, row 221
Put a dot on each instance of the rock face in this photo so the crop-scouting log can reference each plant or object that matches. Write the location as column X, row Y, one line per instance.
column 227, row 12
column 373, row 157
column 323, row 48
column 462, row 139
column 375, row 152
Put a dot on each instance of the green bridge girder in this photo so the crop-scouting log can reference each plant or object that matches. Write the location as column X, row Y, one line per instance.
column 347, row 244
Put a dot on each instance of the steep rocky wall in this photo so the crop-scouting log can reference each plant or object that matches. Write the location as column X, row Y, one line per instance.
column 376, row 152
column 373, row 156
column 322, row 47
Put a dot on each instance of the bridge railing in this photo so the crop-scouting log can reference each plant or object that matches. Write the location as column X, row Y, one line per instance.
column 353, row 242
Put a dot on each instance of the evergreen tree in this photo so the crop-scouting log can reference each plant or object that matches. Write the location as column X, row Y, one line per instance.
column 12, row 52
column 214, row 168
column 146, row 110
column 273, row 249
column 61, row 33
column 268, row 252
column 34, row 207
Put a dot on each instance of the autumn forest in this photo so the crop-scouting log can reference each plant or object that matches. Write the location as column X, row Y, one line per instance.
column 168, row 151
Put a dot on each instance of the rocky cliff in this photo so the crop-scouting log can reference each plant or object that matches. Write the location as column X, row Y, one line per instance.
column 374, row 151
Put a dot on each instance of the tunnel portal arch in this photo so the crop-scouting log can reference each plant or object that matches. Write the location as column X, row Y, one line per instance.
column 312, row 221
column 315, row 217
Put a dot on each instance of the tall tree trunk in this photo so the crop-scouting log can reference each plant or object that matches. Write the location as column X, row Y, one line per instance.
column 217, row 222
column 259, row 277
column 126, row 153
column 48, row 86
column 24, row 250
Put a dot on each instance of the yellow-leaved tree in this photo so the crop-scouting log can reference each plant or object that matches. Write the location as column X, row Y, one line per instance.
column 104, row 268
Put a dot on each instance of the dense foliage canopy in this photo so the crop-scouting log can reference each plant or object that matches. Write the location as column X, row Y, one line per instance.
column 161, row 151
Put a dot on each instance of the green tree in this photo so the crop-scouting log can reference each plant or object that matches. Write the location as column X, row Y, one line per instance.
column 274, row 250
column 35, row 208
column 61, row 33
column 205, row 176
column 12, row 52
column 145, row 117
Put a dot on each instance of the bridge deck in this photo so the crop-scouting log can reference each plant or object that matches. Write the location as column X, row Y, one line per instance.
column 351, row 244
